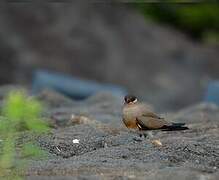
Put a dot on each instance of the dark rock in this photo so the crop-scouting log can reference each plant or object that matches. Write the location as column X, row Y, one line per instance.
column 107, row 42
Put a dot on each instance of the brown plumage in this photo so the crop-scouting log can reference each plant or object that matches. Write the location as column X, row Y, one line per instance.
column 138, row 116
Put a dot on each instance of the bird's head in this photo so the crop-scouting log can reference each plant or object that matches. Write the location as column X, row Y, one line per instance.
column 129, row 99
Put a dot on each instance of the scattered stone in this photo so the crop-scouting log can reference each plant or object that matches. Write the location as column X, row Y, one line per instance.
column 156, row 143
column 75, row 141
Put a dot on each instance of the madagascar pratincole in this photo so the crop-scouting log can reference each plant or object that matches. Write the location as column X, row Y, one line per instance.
column 137, row 115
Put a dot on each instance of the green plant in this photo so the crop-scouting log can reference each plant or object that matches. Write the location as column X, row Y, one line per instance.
column 19, row 113
column 196, row 19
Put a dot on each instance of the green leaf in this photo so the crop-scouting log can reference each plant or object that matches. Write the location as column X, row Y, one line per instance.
column 4, row 126
column 37, row 125
column 33, row 109
column 14, row 107
column 20, row 113
column 31, row 150
column 8, row 153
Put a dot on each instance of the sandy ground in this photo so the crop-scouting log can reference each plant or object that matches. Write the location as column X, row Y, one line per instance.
column 107, row 150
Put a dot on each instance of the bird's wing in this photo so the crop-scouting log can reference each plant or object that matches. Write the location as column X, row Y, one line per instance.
column 151, row 121
column 151, row 114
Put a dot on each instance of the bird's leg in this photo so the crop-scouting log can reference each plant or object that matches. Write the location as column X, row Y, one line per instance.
column 136, row 132
column 141, row 131
column 148, row 134
column 145, row 134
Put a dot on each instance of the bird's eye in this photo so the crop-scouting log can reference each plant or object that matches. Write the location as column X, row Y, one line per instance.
column 133, row 99
column 129, row 99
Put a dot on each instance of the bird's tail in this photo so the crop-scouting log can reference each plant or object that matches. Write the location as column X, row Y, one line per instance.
column 175, row 127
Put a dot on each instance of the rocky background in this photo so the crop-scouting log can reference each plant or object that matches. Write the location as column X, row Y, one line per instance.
column 105, row 42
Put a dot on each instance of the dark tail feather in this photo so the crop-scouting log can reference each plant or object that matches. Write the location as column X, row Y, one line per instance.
column 175, row 127
column 178, row 124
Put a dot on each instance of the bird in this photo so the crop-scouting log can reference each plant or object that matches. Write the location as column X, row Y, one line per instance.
column 137, row 115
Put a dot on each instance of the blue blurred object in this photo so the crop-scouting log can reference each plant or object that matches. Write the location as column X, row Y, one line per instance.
column 73, row 87
column 212, row 94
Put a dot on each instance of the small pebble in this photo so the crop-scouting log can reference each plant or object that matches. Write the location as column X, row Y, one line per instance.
column 58, row 149
column 105, row 145
column 75, row 141
column 156, row 142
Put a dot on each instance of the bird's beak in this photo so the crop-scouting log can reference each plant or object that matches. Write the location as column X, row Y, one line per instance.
column 135, row 101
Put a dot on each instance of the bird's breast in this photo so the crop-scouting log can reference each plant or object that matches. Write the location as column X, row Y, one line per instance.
column 129, row 117
column 130, row 124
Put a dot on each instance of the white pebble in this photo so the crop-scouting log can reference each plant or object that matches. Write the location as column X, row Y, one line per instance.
column 58, row 149
column 75, row 141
